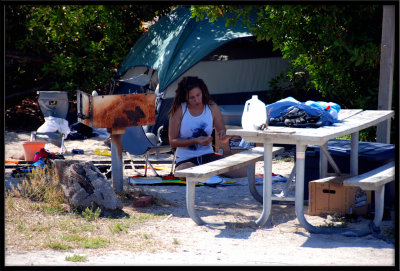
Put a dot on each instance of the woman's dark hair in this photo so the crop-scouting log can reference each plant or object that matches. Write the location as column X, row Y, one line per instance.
column 184, row 86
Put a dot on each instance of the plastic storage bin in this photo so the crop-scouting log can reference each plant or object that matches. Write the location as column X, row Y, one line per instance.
column 371, row 155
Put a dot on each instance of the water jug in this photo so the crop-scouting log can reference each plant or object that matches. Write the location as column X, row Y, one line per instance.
column 254, row 114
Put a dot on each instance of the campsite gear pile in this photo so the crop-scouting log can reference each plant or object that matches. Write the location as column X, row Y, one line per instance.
column 44, row 154
column 292, row 113
column 81, row 131
column 43, row 159
column 54, row 124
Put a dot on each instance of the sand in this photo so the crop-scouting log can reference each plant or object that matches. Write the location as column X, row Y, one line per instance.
column 280, row 242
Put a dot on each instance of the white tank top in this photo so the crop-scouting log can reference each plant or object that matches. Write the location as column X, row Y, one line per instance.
column 192, row 127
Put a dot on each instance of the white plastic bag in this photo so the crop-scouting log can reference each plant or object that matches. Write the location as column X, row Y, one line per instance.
column 101, row 133
column 53, row 124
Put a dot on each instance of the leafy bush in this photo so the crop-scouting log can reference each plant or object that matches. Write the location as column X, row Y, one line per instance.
column 71, row 46
column 334, row 50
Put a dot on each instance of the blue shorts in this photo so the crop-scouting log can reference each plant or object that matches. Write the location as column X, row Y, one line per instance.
column 199, row 160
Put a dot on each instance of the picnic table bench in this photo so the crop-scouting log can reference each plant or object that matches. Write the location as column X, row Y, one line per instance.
column 203, row 172
column 374, row 180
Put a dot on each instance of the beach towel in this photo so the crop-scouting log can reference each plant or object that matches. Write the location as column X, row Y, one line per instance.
column 212, row 181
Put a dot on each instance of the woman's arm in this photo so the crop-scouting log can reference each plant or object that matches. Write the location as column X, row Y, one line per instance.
column 219, row 124
column 174, row 130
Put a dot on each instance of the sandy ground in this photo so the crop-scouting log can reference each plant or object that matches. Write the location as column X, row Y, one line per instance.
column 280, row 242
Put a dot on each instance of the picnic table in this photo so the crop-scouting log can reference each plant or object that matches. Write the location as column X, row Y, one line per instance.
column 351, row 121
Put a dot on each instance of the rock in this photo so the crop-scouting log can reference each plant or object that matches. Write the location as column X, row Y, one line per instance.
column 85, row 186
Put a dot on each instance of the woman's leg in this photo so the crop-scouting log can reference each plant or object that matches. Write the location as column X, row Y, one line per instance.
column 185, row 165
column 237, row 173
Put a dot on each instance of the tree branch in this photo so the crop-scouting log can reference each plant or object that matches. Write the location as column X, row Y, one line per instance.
column 21, row 58
column 29, row 91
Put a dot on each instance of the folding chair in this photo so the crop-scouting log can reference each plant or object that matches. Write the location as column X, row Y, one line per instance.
column 53, row 103
column 136, row 142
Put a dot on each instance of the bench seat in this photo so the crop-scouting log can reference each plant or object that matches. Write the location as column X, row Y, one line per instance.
column 226, row 164
column 203, row 172
column 375, row 180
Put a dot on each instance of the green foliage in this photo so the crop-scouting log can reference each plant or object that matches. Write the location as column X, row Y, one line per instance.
column 333, row 49
column 91, row 215
column 96, row 242
column 119, row 228
column 80, row 46
column 57, row 245
column 76, row 258
column 337, row 47
column 42, row 186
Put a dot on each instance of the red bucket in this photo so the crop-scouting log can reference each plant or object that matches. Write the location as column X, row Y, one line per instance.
column 31, row 147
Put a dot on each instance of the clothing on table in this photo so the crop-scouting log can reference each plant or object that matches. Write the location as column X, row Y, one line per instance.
column 192, row 127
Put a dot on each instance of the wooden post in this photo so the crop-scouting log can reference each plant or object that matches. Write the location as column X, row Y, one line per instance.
column 117, row 172
column 386, row 70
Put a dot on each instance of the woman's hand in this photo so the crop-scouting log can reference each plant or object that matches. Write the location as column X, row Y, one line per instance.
column 222, row 135
column 204, row 140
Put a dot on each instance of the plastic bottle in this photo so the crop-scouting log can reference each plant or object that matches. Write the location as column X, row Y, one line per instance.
column 332, row 112
column 332, row 108
column 254, row 114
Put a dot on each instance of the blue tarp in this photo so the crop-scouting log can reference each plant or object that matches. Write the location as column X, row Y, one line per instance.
column 318, row 110
column 177, row 42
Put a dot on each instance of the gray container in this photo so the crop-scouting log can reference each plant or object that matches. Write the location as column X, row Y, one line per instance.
column 232, row 114
column 54, row 103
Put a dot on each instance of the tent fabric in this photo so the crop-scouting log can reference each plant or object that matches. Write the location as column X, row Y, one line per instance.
column 234, row 76
column 176, row 43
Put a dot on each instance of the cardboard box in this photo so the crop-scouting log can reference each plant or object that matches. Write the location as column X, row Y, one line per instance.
column 230, row 146
column 329, row 196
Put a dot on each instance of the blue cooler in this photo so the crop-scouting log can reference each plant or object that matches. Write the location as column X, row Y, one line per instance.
column 371, row 155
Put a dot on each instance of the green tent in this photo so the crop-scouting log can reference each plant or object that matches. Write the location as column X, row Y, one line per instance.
column 177, row 42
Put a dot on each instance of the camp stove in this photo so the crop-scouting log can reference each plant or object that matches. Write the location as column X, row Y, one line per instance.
column 116, row 112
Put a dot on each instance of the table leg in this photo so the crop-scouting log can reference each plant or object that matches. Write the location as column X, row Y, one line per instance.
column 299, row 202
column 354, row 154
column 299, row 199
column 328, row 157
column 252, row 183
column 323, row 162
column 267, row 184
column 117, row 173
column 379, row 206
column 190, row 201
